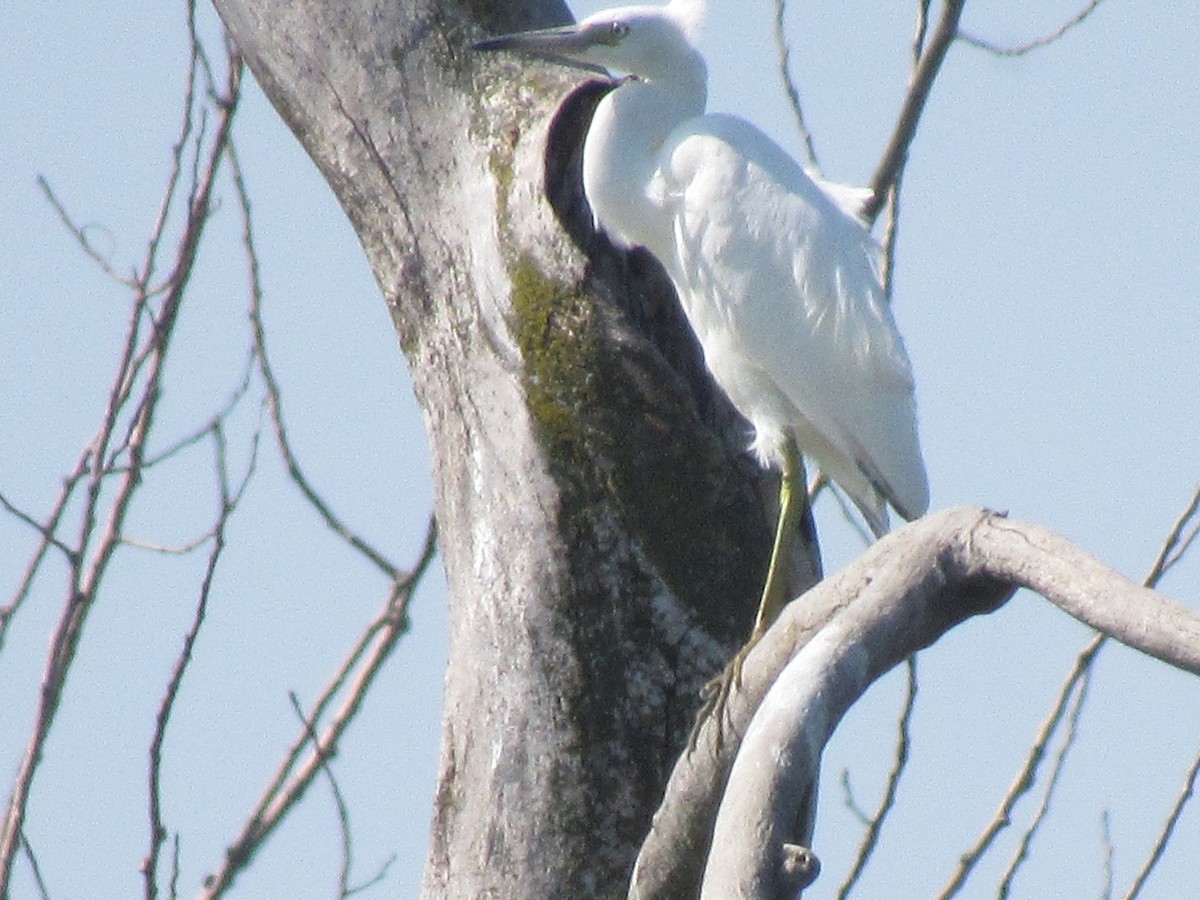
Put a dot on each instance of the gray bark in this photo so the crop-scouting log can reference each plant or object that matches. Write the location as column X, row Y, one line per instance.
column 603, row 534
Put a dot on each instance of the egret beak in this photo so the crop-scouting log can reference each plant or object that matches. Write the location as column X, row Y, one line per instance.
column 564, row 45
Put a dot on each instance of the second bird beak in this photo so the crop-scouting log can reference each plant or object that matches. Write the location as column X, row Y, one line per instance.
column 561, row 45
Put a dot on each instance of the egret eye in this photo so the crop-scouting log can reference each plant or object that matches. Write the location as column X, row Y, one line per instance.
column 616, row 31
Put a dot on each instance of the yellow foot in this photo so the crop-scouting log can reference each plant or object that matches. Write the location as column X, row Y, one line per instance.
column 717, row 692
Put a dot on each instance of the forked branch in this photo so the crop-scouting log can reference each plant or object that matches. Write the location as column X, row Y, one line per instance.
column 732, row 805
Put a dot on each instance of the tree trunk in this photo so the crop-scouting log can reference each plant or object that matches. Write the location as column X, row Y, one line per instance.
column 603, row 533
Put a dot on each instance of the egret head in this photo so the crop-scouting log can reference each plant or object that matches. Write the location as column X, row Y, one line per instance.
column 649, row 42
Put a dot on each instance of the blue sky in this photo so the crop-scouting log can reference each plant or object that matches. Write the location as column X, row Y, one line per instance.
column 1046, row 289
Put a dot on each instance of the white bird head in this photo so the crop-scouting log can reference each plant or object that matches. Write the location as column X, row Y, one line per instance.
column 649, row 42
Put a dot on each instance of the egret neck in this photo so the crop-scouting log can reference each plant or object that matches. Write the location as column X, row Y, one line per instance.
column 622, row 153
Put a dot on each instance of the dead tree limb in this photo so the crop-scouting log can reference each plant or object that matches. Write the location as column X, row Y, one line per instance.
column 738, row 805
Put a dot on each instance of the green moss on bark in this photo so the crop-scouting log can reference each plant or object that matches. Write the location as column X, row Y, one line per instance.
column 560, row 346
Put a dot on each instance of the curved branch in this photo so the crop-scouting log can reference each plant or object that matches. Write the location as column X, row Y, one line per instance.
column 1035, row 44
column 731, row 794
column 1076, row 682
column 1034, row 557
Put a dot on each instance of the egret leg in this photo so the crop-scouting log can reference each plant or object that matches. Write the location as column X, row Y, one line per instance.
column 774, row 595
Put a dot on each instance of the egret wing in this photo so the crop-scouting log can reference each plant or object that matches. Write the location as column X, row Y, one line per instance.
column 781, row 284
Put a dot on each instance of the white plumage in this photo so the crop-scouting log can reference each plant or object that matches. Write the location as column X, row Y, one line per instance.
column 778, row 277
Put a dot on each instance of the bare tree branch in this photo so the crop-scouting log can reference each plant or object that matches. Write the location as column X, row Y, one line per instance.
column 275, row 394
column 1107, row 844
column 339, row 801
column 851, row 801
column 1025, row 777
column 904, row 596
column 375, row 879
column 1034, row 557
column 228, row 500
column 70, row 483
column 157, row 232
column 1177, row 541
column 47, row 533
column 35, row 868
column 96, row 543
column 222, row 415
column 896, row 153
column 821, row 483
column 356, row 674
column 1078, row 678
column 79, row 232
column 921, row 32
column 173, row 890
column 891, row 209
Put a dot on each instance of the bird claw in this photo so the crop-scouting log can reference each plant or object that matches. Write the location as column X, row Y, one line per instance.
column 716, row 694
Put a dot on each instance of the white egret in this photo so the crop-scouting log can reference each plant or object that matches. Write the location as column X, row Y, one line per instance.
column 778, row 277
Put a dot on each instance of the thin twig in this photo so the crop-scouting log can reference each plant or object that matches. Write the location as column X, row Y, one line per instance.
column 1022, row 852
column 170, row 550
column 38, row 880
column 339, row 800
column 851, row 802
column 91, row 563
column 79, row 232
column 821, row 483
column 146, row 274
column 891, row 229
column 275, row 395
column 891, row 236
column 1176, row 543
column 48, row 535
column 228, row 500
column 1107, row 844
column 1164, row 837
column 374, row 879
column 133, row 364
column 1036, row 43
column 1025, row 777
column 70, row 483
column 875, row 823
column 221, row 415
column 921, row 33
column 174, row 883
column 784, row 53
